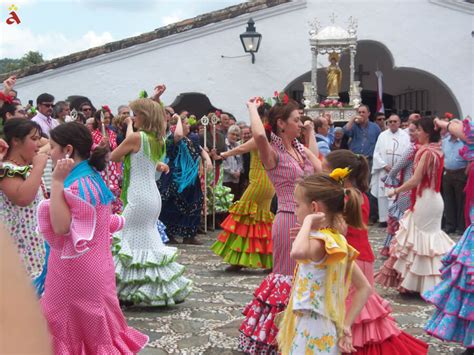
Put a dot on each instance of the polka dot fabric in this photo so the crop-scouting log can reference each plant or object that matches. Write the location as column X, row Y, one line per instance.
column 146, row 270
column 21, row 224
column 80, row 301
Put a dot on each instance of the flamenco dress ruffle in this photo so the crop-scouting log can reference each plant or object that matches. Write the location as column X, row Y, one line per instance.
column 246, row 239
column 150, row 276
column 374, row 331
column 453, row 297
column 258, row 331
column 417, row 249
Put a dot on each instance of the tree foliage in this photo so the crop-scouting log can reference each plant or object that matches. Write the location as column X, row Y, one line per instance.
column 30, row 58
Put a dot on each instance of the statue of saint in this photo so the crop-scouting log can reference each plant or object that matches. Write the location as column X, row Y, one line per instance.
column 334, row 76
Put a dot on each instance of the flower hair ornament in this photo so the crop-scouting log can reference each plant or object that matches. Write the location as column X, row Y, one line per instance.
column 340, row 174
column 281, row 98
column 6, row 98
column 106, row 108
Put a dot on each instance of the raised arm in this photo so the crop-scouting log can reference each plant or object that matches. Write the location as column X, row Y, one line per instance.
column 454, row 127
column 305, row 248
column 241, row 149
column 21, row 191
column 131, row 144
column 60, row 213
column 314, row 160
column 179, row 132
column 267, row 155
column 310, row 138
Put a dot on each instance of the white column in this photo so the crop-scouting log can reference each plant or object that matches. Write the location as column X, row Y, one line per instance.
column 352, row 67
column 314, row 76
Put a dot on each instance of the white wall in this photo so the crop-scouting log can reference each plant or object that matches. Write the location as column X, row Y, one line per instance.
column 418, row 33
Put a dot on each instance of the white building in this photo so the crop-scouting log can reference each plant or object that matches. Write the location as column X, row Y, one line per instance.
column 425, row 49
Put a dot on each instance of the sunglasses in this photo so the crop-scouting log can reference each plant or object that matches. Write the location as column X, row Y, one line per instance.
column 47, row 105
column 392, row 121
column 86, row 109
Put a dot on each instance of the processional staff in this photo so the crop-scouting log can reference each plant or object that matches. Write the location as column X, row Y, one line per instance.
column 205, row 123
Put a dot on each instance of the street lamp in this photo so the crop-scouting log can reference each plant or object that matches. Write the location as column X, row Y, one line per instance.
column 251, row 39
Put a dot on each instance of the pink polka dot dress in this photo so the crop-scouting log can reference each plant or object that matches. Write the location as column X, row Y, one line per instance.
column 80, row 301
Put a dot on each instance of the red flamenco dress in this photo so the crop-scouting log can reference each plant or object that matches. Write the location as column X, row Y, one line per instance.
column 246, row 239
column 374, row 331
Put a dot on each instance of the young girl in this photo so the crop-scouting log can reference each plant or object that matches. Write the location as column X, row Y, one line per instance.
column 80, row 302
column 374, row 330
column 315, row 321
column 146, row 269
column 20, row 194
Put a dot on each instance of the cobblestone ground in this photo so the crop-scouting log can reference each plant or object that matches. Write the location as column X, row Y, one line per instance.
column 208, row 321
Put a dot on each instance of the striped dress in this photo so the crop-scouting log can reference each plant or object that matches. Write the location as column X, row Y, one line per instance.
column 258, row 331
column 246, row 236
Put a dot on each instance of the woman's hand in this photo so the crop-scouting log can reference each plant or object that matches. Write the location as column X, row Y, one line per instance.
column 159, row 90
column 62, row 169
column 9, row 83
column 3, row 148
column 345, row 341
column 105, row 141
column 308, row 128
column 252, row 103
column 39, row 161
column 392, row 193
column 163, row 168
column 209, row 166
column 128, row 120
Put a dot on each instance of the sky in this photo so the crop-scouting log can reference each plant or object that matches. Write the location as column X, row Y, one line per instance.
column 59, row 27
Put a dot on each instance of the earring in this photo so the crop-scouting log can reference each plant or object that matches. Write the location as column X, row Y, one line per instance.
column 283, row 131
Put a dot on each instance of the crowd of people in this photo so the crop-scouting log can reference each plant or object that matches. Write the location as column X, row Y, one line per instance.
column 92, row 202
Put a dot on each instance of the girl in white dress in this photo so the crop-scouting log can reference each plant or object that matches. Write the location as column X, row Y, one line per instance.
column 145, row 268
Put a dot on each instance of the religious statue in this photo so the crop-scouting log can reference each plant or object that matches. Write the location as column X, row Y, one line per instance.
column 334, row 77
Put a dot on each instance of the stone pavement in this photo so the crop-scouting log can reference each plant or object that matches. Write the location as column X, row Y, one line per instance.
column 208, row 321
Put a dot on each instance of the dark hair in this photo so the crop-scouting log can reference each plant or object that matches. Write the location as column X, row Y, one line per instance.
column 19, row 128
column 263, row 111
column 79, row 137
column 96, row 124
column 45, row 97
column 7, row 108
column 357, row 163
column 281, row 112
column 426, row 123
column 322, row 188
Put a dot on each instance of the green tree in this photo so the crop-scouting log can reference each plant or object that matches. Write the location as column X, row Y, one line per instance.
column 30, row 58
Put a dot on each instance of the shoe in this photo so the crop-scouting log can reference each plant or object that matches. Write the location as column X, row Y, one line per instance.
column 233, row 268
column 172, row 240
column 383, row 225
column 192, row 241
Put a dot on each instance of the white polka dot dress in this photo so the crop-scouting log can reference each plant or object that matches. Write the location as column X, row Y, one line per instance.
column 146, row 270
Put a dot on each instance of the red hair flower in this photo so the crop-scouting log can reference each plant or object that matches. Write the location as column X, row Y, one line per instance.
column 218, row 113
column 267, row 127
column 285, row 99
column 106, row 108
column 6, row 98
column 448, row 115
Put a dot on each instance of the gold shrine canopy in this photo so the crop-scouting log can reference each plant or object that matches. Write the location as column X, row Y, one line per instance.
column 328, row 40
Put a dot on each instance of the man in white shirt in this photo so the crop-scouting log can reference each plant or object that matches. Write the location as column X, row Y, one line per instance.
column 45, row 104
column 390, row 145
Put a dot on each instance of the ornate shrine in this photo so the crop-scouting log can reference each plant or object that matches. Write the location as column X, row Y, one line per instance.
column 333, row 41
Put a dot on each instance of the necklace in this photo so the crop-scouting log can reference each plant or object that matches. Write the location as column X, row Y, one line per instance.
column 299, row 159
column 15, row 162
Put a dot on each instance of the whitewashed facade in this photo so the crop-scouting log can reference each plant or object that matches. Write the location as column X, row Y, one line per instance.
column 418, row 44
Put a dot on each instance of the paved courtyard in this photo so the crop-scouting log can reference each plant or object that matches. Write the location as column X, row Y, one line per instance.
column 208, row 321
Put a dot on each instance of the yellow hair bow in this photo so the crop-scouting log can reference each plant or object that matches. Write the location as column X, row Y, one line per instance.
column 340, row 174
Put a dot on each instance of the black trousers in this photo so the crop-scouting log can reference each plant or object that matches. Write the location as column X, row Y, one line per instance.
column 454, row 182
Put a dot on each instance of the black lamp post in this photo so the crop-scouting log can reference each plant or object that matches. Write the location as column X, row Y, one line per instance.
column 251, row 39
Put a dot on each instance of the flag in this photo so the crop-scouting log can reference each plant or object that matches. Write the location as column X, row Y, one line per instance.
column 380, row 106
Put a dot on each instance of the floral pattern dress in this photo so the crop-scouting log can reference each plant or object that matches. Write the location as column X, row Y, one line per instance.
column 306, row 327
column 21, row 223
